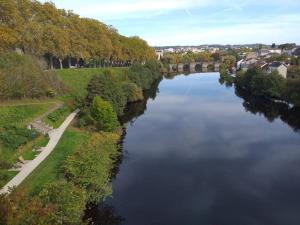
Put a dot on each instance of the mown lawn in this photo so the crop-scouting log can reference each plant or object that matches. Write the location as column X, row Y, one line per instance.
column 56, row 118
column 77, row 80
column 21, row 115
column 50, row 170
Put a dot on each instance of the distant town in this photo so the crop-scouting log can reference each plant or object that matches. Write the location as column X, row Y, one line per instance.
column 237, row 57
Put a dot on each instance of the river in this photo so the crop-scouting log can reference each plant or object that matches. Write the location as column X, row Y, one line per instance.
column 198, row 153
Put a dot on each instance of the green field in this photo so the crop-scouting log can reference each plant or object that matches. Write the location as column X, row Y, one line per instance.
column 50, row 170
column 21, row 115
column 56, row 118
column 77, row 80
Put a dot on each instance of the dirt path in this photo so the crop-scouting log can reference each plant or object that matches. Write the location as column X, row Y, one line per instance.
column 55, row 136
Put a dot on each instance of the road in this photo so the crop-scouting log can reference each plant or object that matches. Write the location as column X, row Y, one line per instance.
column 54, row 136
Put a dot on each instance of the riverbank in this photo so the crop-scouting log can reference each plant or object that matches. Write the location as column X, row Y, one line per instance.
column 77, row 147
column 29, row 167
column 259, row 83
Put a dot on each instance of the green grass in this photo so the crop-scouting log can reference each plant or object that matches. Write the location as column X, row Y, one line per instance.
column 21, row 115
column 77, row 80
column 50, row 169
column 15, row 113
column 26, row 151
column 10, row 175
column 11, row 155
column 56, row 118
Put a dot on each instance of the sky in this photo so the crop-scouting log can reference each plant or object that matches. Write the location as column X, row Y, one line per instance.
column 196, row 22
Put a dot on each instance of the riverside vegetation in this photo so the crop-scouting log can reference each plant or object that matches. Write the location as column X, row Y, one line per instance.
column 78, row 171
column 258, row 83
column 72, row 164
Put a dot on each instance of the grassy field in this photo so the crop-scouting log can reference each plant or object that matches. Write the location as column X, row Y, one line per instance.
column 50, row 169
column 77, row 80
column 56, row 118
column 21, row 115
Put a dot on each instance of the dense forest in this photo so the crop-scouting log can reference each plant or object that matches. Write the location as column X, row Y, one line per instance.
column 63, row 38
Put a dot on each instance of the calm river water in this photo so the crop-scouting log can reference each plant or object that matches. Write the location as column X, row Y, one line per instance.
column 197, row 154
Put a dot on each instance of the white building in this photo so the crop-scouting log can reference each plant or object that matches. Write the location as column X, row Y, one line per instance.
column 276, row 51
column 169, row 50
column 279, row 67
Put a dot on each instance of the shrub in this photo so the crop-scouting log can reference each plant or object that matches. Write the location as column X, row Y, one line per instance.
column 13, row 137
column 109, row 89
column 5, row 165
column 89, row 167
column 69, row 200
column 259, row 83
column 57, row 114
column 104, row 115
column 21, row 76
column 19, row 208
column 292, row 93
column 132, row 91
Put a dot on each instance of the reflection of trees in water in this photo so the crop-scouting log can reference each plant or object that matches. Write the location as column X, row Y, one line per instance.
column 104, row 214
column 271, row 110
column 136, row 109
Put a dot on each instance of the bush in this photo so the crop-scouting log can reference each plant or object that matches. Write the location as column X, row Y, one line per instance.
column 57, row 114
column 22, row 77
column 89, row 167
column 132, row 91
column 292, row 91
column 108, row 88
column 5, row 165
column 143, row 75
column 69, row 201
column 19, row 208
column 13, row 137
column 104, row 115
column 259, row 83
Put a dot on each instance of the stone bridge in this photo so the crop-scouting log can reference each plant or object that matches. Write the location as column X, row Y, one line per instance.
column 194, row 67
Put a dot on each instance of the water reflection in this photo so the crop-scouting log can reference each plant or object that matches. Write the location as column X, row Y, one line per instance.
column 271, row 110
column 136, row 109
column 196, row 157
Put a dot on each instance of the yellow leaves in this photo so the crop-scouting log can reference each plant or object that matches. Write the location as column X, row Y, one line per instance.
column 8, row 37
column 97, row 139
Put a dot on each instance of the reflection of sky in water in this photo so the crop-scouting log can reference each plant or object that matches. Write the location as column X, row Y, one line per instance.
column 196, row 157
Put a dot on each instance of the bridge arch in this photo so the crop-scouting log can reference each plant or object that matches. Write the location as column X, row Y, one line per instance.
column 186, row 67
column 198, row 67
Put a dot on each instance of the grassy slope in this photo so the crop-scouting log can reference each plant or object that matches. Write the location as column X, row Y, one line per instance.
column 49, row 170
column 21, row 114
column 77, row 79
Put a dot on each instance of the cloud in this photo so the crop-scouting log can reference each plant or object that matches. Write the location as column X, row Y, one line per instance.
column 186, row 22
column 280, row 29
column 130, row 8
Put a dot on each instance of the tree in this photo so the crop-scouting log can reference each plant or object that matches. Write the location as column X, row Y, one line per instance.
column 90, row 166
column 18, row 208
column 132, row 92
column 9, row 24
column 43, row 30
column 109, row 89
column 104, row 115
column 70, row 201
